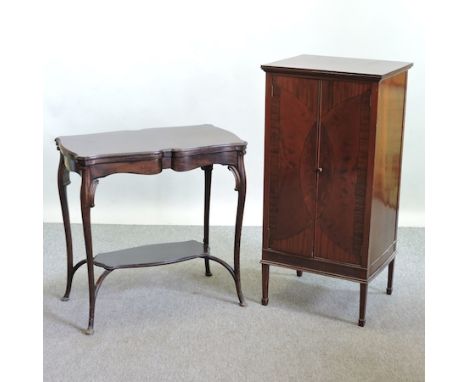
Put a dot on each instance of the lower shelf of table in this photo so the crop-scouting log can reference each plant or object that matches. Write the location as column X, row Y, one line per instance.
column 151, row 255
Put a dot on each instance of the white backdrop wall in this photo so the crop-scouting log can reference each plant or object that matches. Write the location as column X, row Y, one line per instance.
column 130, row 65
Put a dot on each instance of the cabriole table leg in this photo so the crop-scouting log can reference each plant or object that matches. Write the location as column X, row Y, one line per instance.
column 241, row 187
column 63, row 180
column 88, row 187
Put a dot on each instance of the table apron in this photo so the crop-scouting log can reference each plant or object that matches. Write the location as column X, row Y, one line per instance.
column 156, row 165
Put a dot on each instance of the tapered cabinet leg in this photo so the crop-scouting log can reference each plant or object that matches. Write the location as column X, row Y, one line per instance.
column 241, row 188
column 265, row 281
column 299, row 273
column 362, row 304
column 88, row 186
column 391, row 267
column 206, row 221
column 63, row 180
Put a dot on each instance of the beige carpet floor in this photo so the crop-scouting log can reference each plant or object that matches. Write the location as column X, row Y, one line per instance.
column 172, row 323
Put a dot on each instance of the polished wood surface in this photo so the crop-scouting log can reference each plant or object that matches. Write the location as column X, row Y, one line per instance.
column 333, row 143
column 206, row 216
column 148, row 143
column 150, row 255
column 344, row 141
column 148, row 151
column 318, row 171
column 63, row 180
column 387, row 168
column 350, row 272
column 337, row 67
column 292, row 165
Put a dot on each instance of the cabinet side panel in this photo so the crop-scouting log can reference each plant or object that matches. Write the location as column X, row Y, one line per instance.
column 292, row 147
column 387, row 169
column 266, row 164
column 342, row 183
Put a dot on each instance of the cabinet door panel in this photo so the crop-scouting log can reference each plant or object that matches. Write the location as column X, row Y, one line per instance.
column 292, row 187
column 343, row 157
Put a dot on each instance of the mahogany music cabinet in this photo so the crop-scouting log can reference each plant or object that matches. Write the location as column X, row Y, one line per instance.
column 333, row 145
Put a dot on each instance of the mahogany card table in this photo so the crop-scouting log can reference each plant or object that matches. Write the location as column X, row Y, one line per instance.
column 147, row 151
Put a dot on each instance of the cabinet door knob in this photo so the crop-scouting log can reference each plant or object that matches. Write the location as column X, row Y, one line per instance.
column 320, row 169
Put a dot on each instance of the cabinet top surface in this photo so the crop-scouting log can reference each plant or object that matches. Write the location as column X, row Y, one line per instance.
column 356, row 67
column 148, row 141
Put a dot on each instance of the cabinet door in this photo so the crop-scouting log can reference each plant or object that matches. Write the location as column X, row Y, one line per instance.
column 343, row 158
column 290, row 165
